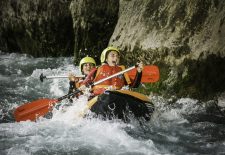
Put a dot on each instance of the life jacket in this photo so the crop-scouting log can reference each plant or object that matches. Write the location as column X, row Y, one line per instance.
column 105, row 71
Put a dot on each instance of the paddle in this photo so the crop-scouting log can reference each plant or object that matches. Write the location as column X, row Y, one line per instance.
column 33, row 110
column 150, row 74
column 42, row 77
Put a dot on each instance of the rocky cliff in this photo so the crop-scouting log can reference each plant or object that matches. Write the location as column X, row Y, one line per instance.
column 184, row 38
column 39, row 28
column 93, row 23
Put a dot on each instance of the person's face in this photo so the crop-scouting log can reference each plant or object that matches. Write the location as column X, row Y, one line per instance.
column 113, row 58
column 87, row 68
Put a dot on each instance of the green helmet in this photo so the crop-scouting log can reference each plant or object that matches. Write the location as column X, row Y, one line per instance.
column 105, row 52
column 86, row 59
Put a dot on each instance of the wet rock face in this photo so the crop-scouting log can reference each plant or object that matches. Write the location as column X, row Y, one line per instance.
column 172, row 29
column 202, row 78
column 57, row 27
column 93, row 22
column 185, row 38
column 40, row 28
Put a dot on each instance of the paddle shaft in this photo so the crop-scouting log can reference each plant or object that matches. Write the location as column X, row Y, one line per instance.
column 42, row 77
column 112, row 76
column 63, row 76
column 95, row 83
column 69, row 95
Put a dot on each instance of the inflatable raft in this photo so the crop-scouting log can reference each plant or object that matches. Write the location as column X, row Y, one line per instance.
column 121, row 104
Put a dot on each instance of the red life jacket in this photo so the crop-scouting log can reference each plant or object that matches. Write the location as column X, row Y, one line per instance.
column 105, row 71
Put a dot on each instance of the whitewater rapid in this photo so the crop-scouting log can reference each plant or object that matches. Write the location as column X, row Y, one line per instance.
column 180, row 126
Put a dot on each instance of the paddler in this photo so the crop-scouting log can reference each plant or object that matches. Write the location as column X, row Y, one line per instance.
column 110, row 58
column 86, row 65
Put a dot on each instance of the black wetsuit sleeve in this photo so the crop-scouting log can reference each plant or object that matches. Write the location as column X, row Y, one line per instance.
column 72, row 87
column 137, row 80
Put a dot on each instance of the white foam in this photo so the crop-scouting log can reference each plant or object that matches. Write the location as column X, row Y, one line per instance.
column 221, row 100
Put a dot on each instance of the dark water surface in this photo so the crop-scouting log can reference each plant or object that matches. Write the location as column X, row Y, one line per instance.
column 184, row 127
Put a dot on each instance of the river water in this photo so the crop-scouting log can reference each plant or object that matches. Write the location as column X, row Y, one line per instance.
column 181, row 126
